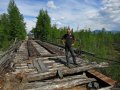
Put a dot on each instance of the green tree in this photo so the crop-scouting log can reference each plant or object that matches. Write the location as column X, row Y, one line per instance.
column 4, row 31
column 43, row 25
column 17, row 25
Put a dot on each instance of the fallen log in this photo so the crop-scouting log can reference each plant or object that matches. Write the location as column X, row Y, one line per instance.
column 50, row 74
column 55, row 84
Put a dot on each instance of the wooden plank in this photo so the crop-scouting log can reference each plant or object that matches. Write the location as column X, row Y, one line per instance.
column 22, row 67
column 51, row 48
column 48, row 61
column 66, row 71
column 29, row 70
column 63, row 59
column 33, row 72
column 52, row 64
column 42, row 51
column 55, row 84
column 30, row 65
column 47, row 55
column 43, row 67
column 36, row 65
column 101, row 76
column 20, row 64
column 58, row 65
column 49, row 67
column 44, row 58
column 57, row 68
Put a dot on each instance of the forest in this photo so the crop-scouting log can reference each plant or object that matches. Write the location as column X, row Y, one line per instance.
column 104, row 44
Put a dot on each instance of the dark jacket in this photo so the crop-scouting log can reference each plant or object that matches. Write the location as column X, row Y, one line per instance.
column 69, row 39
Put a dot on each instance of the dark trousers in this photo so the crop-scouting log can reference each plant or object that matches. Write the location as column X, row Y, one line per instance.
column 67, row 50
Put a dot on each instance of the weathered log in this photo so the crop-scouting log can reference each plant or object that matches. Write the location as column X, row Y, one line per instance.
column 57, row 68
column 66, row 71
column 26, row 70
column 33, row 72
column 36, row 65
column 46, row 47
column 54, row 84
column 51, row 48
column 21, row 64
column 22, row 67
column 48, row 61
column 31, row 49
column 22, row 54
column 47, row 57
column 40, row 49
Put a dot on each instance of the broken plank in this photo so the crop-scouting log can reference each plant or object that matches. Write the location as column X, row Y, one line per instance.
column 102, row 77
column 43, row 67
column 36, row 65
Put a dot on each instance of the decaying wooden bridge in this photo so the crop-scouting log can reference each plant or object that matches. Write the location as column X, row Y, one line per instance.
column 36, row 65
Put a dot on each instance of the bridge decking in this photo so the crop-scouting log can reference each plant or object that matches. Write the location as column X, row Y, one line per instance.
column 41, row 64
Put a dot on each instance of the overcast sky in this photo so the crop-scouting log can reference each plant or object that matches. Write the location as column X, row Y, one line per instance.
column 95, row 14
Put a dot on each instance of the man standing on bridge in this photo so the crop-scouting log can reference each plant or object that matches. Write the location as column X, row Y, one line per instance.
column 69, row 40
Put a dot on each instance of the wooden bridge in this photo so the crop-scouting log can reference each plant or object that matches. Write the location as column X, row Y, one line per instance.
column 37, row 65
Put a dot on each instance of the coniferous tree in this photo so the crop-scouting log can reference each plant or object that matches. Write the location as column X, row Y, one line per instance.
column 4, row 30
column 17, row 25
column 43, row 25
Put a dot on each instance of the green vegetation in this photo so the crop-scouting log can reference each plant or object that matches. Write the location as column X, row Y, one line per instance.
column 43, row 29
column 43, row 26
column 11, row 26
column 98, row 43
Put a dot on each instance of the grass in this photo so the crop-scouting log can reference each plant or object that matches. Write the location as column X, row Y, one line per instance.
column 114, row 70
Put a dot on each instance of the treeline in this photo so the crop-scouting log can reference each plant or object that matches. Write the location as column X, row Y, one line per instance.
column 12, row 26
column 99, row 43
